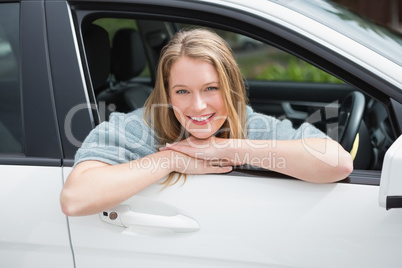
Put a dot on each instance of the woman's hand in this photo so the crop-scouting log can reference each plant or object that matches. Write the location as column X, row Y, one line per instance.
column 186, row 164
column 216, row 151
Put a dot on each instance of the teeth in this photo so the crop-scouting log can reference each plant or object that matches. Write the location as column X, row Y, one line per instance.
column 202, row 118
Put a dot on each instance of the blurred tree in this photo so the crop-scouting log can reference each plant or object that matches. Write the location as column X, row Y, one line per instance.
column 388, row 12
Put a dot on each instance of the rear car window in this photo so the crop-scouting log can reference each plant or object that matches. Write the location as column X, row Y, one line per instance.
column 10, row 96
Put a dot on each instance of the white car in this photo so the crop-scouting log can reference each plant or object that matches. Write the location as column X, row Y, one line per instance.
column 67, row 71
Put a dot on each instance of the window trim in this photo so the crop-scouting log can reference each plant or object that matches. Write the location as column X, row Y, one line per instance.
column 42, row 144
column 288, row 41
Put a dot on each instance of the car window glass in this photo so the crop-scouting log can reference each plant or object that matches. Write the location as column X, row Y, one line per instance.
column 10, row 96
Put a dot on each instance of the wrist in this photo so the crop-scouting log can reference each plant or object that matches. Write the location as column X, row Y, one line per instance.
column 235, row 150
column 175, row 160
column 240, row 152
column 168, row 158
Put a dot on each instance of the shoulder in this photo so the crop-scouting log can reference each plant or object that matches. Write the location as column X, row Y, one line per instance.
column 122, row 138
column 258, row 120
column 259, row 126
column 121, row 128
column 133, row 121
column 137, row 114
column 132, row 124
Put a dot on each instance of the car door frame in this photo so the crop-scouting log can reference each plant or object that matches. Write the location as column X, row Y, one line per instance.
column 88, row 116
column 34, row 230
column 291, row 42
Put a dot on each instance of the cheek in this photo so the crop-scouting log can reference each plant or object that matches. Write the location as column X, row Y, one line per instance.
column 178, row 112
column 178, row 105
column 219, row 104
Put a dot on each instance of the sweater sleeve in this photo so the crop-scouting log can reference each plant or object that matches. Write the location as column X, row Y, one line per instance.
column 123, row 138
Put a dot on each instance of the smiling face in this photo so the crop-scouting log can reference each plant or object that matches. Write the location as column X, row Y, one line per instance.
column 196, row 97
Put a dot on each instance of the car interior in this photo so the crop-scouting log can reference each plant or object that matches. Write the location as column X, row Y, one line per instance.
column 122, row 55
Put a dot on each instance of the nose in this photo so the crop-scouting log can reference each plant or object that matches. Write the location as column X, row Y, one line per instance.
column 198, row 102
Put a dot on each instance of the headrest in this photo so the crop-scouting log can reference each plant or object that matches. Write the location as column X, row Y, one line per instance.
column 128, row 55
column 97, row 47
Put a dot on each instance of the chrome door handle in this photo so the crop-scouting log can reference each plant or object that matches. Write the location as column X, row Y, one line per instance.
column 124, row 217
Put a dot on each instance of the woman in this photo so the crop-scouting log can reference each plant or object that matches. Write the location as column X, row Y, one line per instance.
column 195, row 122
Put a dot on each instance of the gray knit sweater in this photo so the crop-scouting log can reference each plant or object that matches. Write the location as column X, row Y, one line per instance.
column 127, row 137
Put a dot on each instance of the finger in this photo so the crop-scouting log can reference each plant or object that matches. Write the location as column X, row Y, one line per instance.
column 188, row 150
column 194, row 139
column 169, row 146
column 217, row 169
column 198, row 143
column 222, row 162
column 163, row 148
column 224, row 169
column 199, row 166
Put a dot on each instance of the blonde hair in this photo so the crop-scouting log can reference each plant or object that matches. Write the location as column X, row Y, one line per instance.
column 205, row 45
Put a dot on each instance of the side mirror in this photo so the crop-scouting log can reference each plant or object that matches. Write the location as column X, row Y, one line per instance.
column 391, row 177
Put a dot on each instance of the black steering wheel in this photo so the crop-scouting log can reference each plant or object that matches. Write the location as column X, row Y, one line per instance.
column 350, row 117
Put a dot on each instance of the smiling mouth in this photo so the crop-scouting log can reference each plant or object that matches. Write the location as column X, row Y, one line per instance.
column 201, row 120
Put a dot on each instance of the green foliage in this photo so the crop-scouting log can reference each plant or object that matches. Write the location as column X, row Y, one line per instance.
column 282, row 67
column 296, row 70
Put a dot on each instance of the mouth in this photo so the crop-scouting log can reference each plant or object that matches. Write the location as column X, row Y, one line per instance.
column 201, row 120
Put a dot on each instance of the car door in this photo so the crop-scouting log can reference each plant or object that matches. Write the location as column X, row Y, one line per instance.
column 242, row 221
column 33, row 231
column 247, row 218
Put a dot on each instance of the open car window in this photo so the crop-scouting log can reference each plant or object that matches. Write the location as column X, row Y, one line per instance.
column 260, row 61
column 279, row 84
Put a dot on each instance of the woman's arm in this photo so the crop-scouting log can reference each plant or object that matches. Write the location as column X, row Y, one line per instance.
column 315, row 159
column 94, row 186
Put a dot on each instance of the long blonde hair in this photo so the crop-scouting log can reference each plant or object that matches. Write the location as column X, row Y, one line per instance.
column 199, row 44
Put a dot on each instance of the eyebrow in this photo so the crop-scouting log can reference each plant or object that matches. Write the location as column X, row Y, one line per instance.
column 206, row 84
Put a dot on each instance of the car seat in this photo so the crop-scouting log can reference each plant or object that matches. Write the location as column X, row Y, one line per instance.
column 128, row 62
column 97, row 48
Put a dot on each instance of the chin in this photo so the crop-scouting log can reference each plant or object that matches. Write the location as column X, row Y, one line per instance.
column 201, row 136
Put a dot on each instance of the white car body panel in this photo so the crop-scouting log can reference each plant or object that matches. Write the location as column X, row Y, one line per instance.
column 233, row 220
column 249, row 222
column 34, row 230
column 391, row 182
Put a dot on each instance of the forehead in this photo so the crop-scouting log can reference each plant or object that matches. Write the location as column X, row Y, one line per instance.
column 189, row 71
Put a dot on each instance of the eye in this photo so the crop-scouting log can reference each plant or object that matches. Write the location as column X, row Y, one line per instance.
column 181, row 91
column 211, row 88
